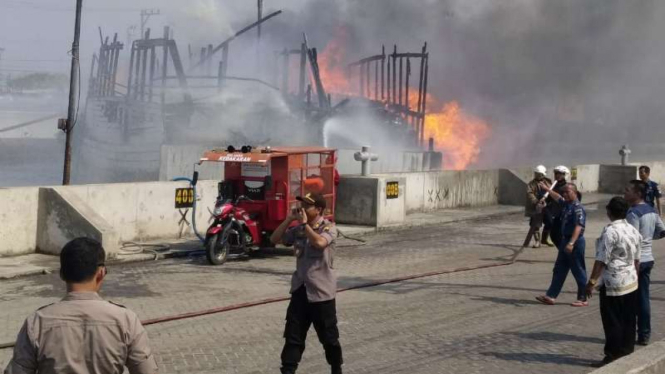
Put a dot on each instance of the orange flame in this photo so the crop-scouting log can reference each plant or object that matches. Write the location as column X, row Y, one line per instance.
column 458, row 135
column 332, row 64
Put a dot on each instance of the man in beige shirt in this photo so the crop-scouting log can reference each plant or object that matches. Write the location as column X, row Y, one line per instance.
column 313, row 284
column 82, row 333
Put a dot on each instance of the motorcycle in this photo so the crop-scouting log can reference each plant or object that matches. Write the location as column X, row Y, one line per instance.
column 233, row 231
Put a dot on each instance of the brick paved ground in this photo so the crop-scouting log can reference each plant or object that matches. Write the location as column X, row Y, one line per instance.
column 470, row 322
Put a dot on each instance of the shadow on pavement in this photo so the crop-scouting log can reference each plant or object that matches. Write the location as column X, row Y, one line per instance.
column 546, row 358
column 504, row 301
column 556, row 337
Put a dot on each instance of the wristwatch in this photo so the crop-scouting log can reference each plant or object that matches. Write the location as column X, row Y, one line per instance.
column 592, row 281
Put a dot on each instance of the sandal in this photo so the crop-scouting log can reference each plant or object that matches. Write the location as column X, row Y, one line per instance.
column 545, row 300
column 580, row 303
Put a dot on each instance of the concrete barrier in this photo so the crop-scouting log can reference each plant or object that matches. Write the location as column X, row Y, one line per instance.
column 512, row 187
column 45, row 218
column 18, row 231
column 434, row 190
column 389, row 161
column 364, row 201
column 586, row 177
column 657, row 170
column 143, row 211
column 63, row 216
column 178, row 161
column 612, row 179
column 648, row 360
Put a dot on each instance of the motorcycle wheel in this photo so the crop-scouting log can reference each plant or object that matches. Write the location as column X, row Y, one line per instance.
column 218, row 249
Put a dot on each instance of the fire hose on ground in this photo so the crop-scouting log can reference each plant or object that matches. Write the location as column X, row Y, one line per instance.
column 250, row 304
column 134, row 248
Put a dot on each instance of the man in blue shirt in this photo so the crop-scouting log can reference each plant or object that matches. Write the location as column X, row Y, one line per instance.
column 645, row 219
column 653, row 194
column 571, row 247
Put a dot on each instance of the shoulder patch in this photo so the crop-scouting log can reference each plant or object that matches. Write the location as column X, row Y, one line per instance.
column 116, row 304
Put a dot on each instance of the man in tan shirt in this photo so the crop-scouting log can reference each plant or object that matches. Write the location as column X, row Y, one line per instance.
column 82, row 333
column 313, row 284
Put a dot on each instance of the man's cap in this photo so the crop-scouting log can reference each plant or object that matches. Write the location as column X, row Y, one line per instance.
column 540, row 169
column 314, row 199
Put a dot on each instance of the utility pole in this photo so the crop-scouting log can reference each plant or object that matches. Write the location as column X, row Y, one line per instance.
column 72, row 110
column 145, row 15
column 259, row 10
column 1, row 50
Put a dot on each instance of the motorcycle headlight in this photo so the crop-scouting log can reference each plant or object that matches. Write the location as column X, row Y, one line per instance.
column 217, row 211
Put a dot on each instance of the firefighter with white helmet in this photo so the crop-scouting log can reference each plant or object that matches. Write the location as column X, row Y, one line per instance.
column 533, row 207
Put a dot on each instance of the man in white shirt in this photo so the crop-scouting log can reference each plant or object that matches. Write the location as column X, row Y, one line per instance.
column 617, row 261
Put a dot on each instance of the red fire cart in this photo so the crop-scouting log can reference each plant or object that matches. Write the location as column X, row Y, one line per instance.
column 259, row 191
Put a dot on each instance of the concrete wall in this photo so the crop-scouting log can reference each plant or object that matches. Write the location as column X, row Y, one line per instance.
column 45, row 218
column 143, row 211
column 426, row 191
column 63, row 217
column 648, row 360
column 363, row 201
column 657, row 170
column 587, row 177
column 613, row 178
column 18, row 217
column 357, row 200
column 391, row 211
column 512, row 187
column 389, row 162
column 178, row 161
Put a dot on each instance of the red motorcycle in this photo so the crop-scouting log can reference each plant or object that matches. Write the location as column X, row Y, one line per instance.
column 232, row 232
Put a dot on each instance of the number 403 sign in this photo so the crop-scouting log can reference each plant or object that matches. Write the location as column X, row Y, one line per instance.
column 184, row 198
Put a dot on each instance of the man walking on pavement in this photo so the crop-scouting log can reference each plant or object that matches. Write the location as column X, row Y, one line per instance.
column 313, row 284
column 653, row 193
column 615, row 270
column 82, row 333
column 554, row 209
column 534, row 206
column 645, row 219
column 571, row 248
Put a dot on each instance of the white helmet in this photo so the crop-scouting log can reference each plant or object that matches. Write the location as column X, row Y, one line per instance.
column 540, row 169
column 562, row 169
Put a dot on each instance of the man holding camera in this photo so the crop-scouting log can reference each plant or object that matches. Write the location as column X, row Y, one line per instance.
column 313, row 284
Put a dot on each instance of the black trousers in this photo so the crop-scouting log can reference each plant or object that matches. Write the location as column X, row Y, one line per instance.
column 619, row 316
column 300, row 315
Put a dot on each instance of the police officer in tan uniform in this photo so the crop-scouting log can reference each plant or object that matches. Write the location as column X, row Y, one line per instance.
column 82, row 333
column 313, row 284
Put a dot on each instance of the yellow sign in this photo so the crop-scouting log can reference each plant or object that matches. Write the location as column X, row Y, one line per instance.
column 392, row 190
column 573, row 174
column 184, row 197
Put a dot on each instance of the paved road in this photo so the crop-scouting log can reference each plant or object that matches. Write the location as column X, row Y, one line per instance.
column 467, row 322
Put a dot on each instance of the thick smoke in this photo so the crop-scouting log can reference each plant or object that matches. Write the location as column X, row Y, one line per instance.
column 564, row 81
column 559, row 81
column 569, row 81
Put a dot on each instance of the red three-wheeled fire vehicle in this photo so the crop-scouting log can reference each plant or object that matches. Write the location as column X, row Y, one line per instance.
column 259, row 191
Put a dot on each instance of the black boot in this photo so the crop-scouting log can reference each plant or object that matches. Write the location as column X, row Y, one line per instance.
column 336, row 370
